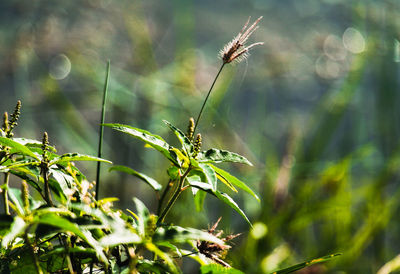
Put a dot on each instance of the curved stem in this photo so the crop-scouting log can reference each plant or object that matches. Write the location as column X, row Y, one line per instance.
column 5, row 193
column 208, row 95
column 174, row 197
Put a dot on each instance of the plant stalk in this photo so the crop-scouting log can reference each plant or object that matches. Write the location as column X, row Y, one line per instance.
column 47, row 195
column 174, row 197
column 101, row 129
column 205, row 101
column 163, row 195
column 5, row 193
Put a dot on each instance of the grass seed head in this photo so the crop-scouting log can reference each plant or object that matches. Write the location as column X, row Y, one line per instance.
column 236, row 50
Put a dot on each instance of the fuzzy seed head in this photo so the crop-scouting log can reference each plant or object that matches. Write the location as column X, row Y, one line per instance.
column 197, row 145
column 5, row 126
column 236, row 50
column 25, row 196
column 45, row 144
column 190, row 131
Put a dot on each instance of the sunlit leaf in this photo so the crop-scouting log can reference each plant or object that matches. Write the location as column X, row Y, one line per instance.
column 150, row 181
column 177, row 234
column 186, row 143
column 15, row 197
column 221, row 196
column 305, row 264
column 71, row 157
column 33, row 144
column 17, row 228
column 65, row 225
column 210, row 175
column 16, row 147
column 153, row 140
column 214, row 155
column 143, row 215
column 234, row 181
column 122, row 236
column 218, row 269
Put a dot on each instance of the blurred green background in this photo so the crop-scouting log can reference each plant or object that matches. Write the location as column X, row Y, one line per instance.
column 316, row 109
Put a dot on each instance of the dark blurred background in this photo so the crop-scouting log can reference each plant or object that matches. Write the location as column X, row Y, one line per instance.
column 316, row 109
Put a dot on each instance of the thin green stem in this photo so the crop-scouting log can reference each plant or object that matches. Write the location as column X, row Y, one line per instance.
column 47, row 194
column 174, row 196
column 5, row 193
column 163, row 195
column 101, row 129
column 208, row 95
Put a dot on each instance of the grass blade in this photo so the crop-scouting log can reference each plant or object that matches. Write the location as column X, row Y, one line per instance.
column 101, row 129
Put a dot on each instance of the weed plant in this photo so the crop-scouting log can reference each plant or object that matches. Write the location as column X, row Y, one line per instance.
column 56, row 223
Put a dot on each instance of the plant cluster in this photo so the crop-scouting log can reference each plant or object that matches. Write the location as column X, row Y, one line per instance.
column 55, row 223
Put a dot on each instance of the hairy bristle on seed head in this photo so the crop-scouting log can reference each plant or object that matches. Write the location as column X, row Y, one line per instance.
column 236, row 50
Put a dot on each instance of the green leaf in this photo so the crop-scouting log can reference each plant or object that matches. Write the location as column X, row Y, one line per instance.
column 210, row 175
column 229, row 201
column 15, row 196
column 153, row 183
column 65, row 225
column 234, row 181
column 186, row 143
column 33, row 144
column 305, row 264
column 143, row 214
column 122, row 236
column 173, row 173
column 221, row 196
column 71, row 157
column 218, row 269
column 199, row 198
column 152, row 140
column 60, row 222
column 17, row 228
column 17, row 147
column 177, row 234
column 214, row 155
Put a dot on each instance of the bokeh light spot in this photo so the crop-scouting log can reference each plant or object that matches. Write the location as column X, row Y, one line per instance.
column 353, row 40
column 59, row 67
column 333, row 48
column 327, row 68
column 259, row 230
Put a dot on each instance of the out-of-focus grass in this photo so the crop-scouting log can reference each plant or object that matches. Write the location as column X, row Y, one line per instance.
column 320, row 122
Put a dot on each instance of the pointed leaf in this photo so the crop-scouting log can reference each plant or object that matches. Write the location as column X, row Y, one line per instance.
column 33, row 144
column 214, row 155
column 15, row 196
column 218, row 269
column 221, row 196
column 153, row 183
column 64, row 224
column 153, row 140
column 17, row 147
column 186, row 143
column 143, row 215
column 234, row 181
column 71, row 157
column 305, row 264
column 229, row 201
column 210, row 175
column 17, row 228
column 177, row 234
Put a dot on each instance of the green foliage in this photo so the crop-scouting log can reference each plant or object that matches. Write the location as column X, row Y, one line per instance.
column 63, row 227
